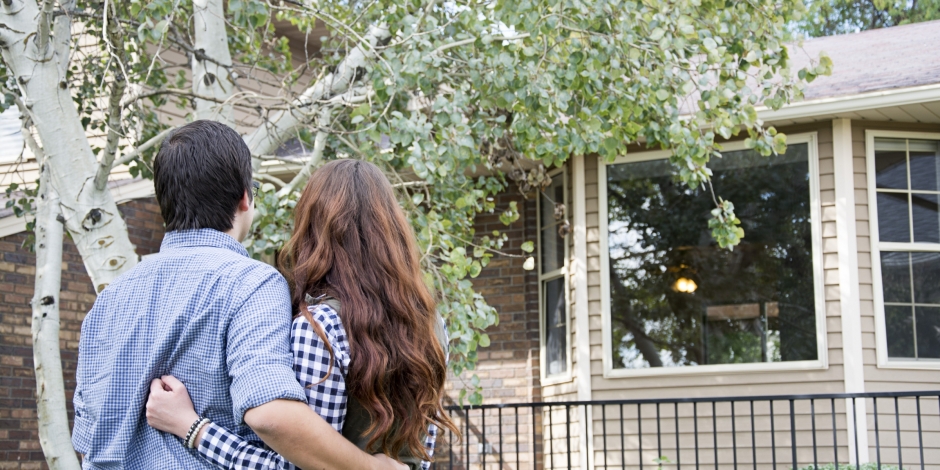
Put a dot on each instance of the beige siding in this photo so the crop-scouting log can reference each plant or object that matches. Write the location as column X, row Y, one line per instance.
column 885, row 379
column 828, row 380
column 879, row 379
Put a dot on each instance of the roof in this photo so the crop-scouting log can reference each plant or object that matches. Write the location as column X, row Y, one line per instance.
column 876, row 60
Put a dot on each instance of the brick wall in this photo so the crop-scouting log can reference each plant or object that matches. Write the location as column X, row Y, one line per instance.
column 509, row 367
column 19, row 441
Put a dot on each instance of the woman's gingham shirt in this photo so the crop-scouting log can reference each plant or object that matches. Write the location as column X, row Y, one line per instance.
column 326, row 397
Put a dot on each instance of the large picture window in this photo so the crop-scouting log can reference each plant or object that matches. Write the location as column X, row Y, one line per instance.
column 906, row 175
column 678, row 300
column 552, row 274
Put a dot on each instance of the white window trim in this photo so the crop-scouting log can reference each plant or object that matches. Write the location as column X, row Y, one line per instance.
column 819, row 285
column 881, row 334
column 562, row 272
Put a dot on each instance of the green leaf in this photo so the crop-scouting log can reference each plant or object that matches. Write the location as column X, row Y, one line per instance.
column 528, row 247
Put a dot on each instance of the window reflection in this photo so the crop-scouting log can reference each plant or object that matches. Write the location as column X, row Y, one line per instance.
column 753, row 304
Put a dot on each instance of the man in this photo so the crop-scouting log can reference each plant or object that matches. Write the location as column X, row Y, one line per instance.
column 202, row 311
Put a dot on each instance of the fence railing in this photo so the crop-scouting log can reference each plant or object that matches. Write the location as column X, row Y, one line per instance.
column 901, row 431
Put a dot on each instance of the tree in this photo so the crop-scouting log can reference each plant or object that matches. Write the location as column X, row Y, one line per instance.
column 829, row 17
column 455, row 99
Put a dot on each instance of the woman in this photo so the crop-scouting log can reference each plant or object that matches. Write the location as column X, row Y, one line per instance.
column 367, row 342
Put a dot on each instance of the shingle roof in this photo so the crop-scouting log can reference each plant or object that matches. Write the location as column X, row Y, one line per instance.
column 875, row 60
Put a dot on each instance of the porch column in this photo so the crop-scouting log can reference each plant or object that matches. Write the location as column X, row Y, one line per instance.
column 849, row 303
column 582, row 326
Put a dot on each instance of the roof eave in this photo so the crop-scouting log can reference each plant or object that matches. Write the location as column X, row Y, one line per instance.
column 851, row 103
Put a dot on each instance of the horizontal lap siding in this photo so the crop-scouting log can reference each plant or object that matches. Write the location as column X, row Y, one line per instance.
column 884, row 379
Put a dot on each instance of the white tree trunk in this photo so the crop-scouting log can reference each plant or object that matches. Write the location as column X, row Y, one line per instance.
column 50, row 388
column 91, row 215
column 211, row 73
column 285, row 124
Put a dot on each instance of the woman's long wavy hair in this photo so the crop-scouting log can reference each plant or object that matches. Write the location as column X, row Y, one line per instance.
column 352, row 241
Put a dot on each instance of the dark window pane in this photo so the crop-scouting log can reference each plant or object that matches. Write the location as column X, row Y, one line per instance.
column 891, row 169
column 896, row 276
column 926, row 218
column 555, row 321
column 926, row 268
column 893, row 221
column 928, row 332
column 677, row 299
column 925, row 165
column 553, row 250
column 900, row 329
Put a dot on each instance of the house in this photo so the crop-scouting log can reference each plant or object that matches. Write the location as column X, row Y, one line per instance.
column 835, row 290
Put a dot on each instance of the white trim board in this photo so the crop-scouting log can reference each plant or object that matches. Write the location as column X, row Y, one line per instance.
column 852, row 103
column 819, row 288
column 849, row 302
column 11, row 225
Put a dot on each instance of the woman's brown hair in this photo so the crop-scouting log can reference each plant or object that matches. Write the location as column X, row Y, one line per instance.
column 352, row 241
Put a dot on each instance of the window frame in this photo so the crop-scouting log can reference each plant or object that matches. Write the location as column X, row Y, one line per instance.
column 877, row 246
column 822, row 360
column 561, row 272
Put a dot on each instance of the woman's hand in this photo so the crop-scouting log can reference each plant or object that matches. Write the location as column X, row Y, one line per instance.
column 169, row 407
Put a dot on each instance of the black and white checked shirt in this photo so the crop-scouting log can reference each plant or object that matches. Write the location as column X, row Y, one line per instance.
column 326, row 397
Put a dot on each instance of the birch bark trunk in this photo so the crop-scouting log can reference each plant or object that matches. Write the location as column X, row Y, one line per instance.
column 50, row 389
column 91, row 215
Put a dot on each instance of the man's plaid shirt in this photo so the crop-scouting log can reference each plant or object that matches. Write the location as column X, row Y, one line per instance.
column 326, row 397
column 202, row 311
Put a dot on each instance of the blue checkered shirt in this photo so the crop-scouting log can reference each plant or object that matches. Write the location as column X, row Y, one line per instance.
column 200, row 310
column 326, row 394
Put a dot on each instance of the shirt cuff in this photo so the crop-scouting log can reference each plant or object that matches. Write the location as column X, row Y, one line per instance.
column 280, row 383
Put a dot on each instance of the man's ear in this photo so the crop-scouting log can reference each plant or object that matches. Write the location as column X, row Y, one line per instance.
column 245, row 203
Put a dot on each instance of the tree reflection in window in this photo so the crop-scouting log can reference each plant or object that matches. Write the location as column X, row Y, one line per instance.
column 677, row 299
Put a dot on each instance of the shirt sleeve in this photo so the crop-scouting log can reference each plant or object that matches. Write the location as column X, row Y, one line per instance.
column 323, row 382
column 230, row 452
column 429, row 442
column 258, row 355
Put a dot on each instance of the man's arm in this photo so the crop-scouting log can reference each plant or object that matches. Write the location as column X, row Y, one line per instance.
column 296, row 432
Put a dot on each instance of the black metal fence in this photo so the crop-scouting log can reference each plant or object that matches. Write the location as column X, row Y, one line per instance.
column 764, row 432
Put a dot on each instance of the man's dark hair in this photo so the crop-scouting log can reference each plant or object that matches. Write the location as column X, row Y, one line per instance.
column 200, row 174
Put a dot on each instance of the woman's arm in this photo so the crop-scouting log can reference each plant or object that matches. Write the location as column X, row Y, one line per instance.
column 170, row 409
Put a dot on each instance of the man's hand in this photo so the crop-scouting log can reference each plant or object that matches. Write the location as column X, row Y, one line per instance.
column 296, row 432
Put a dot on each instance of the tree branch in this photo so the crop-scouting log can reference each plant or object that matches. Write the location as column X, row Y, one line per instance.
column 319, row 143
column 463, row 42
column 266, row 138
column 155, row 140
column 118, row 85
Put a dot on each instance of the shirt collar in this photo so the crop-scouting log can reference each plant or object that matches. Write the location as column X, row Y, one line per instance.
column 201, row 237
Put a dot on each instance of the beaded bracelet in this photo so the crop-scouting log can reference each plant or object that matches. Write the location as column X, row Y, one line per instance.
column 197, row 425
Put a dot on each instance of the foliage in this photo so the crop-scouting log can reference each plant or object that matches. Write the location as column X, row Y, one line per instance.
column 829, row 17
column 465, row 99
column 23, row 202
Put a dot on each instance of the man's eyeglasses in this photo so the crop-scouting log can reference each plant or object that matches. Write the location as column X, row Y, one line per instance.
column 255, row 187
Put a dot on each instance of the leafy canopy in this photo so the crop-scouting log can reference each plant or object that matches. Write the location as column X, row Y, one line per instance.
column 830, row 17
column 464, row 99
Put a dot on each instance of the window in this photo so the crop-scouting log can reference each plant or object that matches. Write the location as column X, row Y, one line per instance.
column 906, row 226
column 674, row 299
column 553, row 257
